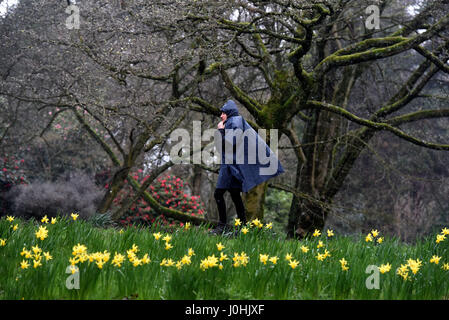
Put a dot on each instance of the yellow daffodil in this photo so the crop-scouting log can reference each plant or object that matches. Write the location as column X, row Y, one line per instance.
column 375, row 233
column 237, row 222
column 403, row 271
column 73, row 269
column 137, row 262
column 170, row 263
column 440, row 238
column 186, row 259
column 191, row 252
column 118, row 259
column 263, row 258
column 245, row 230
column 2, row 242
column 256, row 222
column 42, row 233
column 24, row 251
column 146, row 259
column 223, row 256
column 135, row 248
column 36, row 249
column 435, row 259
column 240, row 259
column 131, row 255
column 167, row 238
column 79, row 249
column 344, row 264
column 320, row 244
column 369, row 238
column 73, row 261
column 273, row 260
column 178, row 265
column 47, row 256
column 15, row 227
column 53, row 220
column 330, row 233
column 316, row 233
column 121, row 231
column 445, row 231
column 99, row 264
column 157, row 235
column 293, row 264
column 269, row 226
column 168, row 246
column 44, row 219
column 220, row 266
column 320, row 257
column 414, row 265
column 384, row 268
column 10, row 218
column 288, row 257
column 445, row 266
column 24, row 264
column 74, row 216
column 304, row 249
column 37, row 263
column 187, row 226
column 326, row 253
column 380, row 240
column 220, row 246
column 209, row 262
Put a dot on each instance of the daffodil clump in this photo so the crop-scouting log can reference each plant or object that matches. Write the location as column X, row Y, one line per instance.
column 34, row 257
column 253, row 224
column 373, row 236
column 411, row 265
column 81, row 255
column 384, row 268
column 264, row 258
column 240, row 260
column 442, row 236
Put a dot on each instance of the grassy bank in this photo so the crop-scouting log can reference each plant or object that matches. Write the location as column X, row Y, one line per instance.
column 72, row 259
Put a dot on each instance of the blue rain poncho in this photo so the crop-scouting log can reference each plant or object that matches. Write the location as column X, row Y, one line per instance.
column 244, row 164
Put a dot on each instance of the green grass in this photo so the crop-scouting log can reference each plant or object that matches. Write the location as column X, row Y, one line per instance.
column 311, row 279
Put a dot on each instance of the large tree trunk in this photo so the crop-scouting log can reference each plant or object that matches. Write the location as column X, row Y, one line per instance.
column 115, row 186
column 255, row 202
column 307, row 216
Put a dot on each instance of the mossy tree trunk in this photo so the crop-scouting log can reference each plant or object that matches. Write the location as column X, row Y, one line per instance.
column 254, row 202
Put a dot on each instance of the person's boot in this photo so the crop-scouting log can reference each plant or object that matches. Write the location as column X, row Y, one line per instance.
column 219, row 229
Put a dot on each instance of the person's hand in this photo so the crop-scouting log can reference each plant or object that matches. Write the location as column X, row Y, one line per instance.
column 220, row 125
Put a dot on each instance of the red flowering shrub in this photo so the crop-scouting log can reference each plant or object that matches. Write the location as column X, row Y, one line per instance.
column 11, row 174
column 169, row 190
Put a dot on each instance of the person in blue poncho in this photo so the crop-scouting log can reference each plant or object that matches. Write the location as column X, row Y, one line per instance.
column 244, row 164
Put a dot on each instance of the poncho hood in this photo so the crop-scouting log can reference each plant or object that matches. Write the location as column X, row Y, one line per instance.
column 230, row 109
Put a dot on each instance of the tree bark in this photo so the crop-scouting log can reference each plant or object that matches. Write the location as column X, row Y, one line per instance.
column 254, row 202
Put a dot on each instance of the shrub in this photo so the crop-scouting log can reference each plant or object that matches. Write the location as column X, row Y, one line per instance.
column 75, row 193
column 11, row 174
column 169, row 190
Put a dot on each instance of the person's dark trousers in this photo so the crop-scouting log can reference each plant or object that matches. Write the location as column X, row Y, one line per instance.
column 236, row 198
